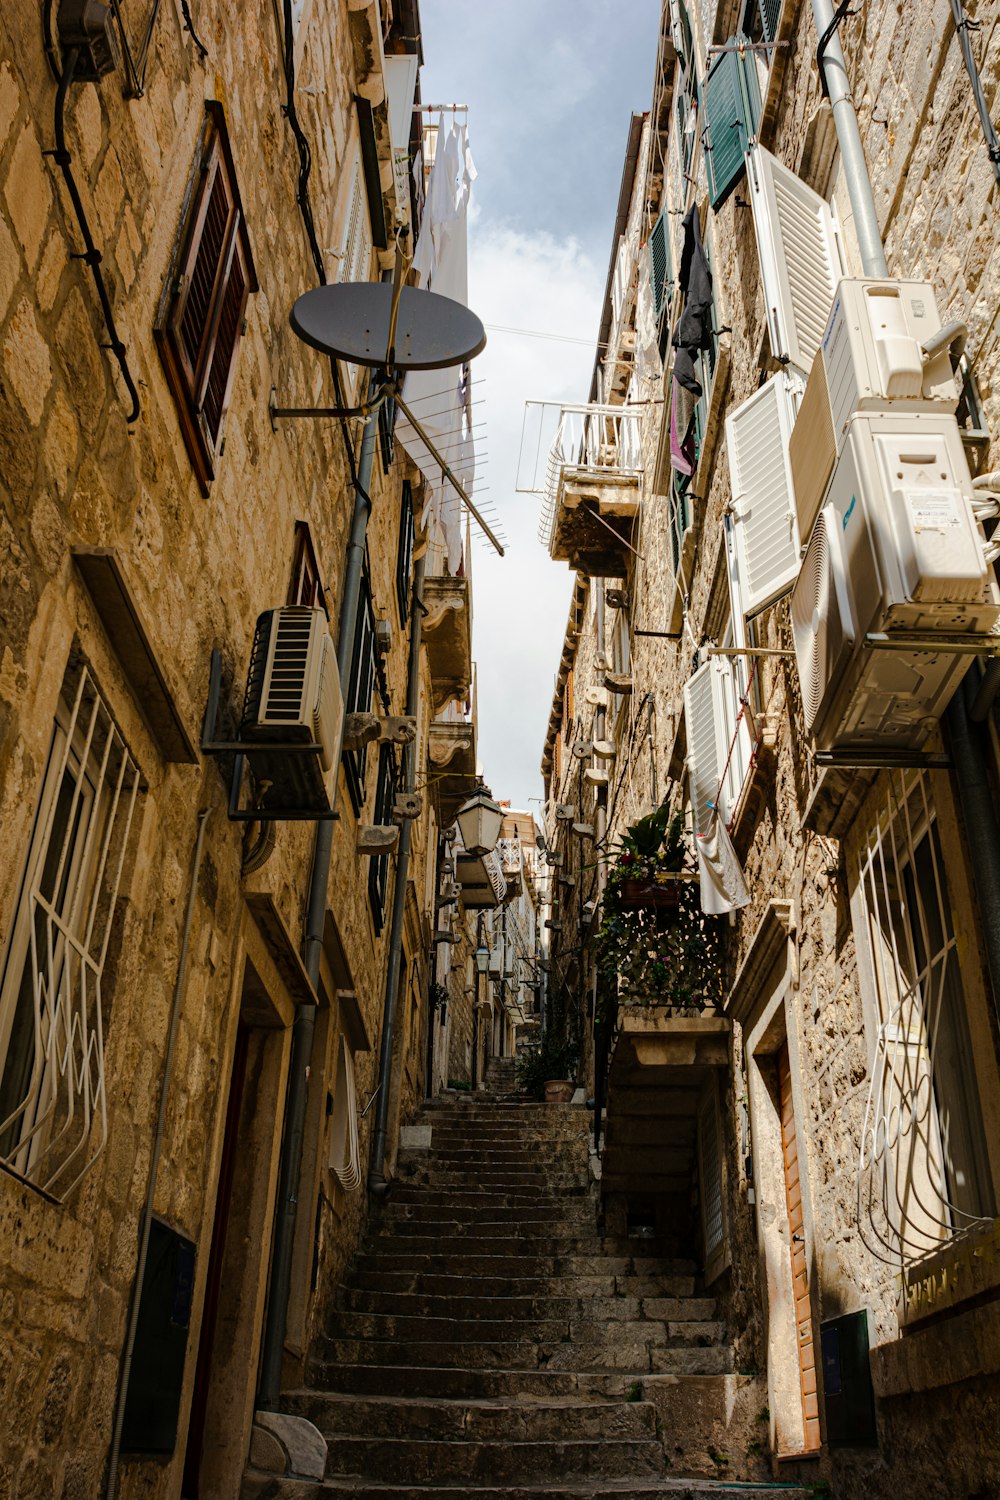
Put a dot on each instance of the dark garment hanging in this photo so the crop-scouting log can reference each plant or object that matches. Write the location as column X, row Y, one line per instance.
column 694, row 326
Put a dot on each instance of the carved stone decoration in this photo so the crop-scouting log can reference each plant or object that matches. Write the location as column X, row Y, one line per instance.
column 398, row 730
column 407, row 805
column 447, row 636
column 360, row 730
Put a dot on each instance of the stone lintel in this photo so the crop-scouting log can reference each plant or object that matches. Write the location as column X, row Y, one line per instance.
column 101, row 570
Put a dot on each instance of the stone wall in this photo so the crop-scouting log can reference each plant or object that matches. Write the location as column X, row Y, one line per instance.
column 200, row 571
column 937, row 202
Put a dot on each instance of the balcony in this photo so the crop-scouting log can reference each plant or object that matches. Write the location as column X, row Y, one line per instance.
column 481, row 880
column 451, row 761
column 447, row 635
column 591, row 490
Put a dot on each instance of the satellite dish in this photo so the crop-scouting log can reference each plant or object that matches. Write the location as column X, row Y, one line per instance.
column 351, row 322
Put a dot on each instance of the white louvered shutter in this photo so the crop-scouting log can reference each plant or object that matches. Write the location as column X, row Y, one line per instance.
column 355, row 260
column 800, row 261
column 703, row 720
column 765, row 526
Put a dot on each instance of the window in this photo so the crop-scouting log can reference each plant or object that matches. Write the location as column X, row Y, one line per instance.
column 661, row 271
column 378, row 867
column 924, row 1169
column 305, row 587
column 765, row 524
column 718, row 740
column 404, row 553
column 732, row 113
column 53, row 1016
column 201, row 317
column 362, row 686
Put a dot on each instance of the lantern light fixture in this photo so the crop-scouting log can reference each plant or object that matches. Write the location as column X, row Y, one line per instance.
column 479, row 821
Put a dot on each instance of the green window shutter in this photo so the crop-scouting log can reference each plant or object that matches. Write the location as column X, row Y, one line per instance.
column 769, row 10
column 732, row 112
column 661, row 271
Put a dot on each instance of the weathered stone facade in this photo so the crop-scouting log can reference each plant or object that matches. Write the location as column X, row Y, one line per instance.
column 198, row 569
column 805, row 959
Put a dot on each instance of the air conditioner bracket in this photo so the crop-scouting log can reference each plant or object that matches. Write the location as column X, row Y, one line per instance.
column 973, row 644
column 239, row 749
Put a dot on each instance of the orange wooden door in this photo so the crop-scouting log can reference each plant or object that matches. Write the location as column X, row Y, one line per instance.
column 800, row 1274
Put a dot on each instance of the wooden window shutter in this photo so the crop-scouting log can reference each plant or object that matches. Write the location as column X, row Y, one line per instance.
column 200, row 323
column 800, row 262
column 763, row 506
column 660, row 268
column 732, row 112
column 568, row 705
column 404, row 553
column 360, row 690
column 355, row 260
column 703, row 722
column 710, row 1173
column 378, row 868
column 305, row 587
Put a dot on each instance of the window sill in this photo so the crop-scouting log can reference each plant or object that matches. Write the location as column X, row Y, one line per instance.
column 963, row 1347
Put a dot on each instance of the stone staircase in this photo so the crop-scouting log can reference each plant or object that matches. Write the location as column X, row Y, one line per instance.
column 489, row 1341
column 500, row 1077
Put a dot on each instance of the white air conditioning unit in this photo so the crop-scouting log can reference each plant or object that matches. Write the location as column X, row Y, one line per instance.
column 870, row 360
column 896, row 548
column 293, row 697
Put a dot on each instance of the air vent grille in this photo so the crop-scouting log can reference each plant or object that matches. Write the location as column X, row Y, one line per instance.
column 288, row 666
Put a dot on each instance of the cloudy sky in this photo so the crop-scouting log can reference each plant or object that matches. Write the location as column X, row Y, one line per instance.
column 550, row 86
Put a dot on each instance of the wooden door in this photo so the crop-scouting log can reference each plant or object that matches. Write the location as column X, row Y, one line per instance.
column 800, row 1272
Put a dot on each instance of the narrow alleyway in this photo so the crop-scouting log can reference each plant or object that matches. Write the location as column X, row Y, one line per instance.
column 490, row 1340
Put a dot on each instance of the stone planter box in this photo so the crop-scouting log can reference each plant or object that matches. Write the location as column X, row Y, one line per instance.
column 634, row 894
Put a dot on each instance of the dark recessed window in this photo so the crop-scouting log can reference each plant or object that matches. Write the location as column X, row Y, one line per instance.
column 305, row 587
column 378, row 868
column 404, row 553
column 359, row 697
column 202, row 312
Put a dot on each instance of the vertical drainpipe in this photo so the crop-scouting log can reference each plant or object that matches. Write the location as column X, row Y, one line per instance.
column 833, row 69
column 966, row 738
column 276, row 1314
column 376, row 1165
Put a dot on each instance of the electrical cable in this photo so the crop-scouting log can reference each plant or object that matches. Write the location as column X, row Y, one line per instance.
column 964, row 26
column 201, row 49
column 91, row 255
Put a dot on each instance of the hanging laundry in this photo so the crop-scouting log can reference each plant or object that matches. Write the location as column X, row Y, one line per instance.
column 723, row 885
column 691, row 337
column 441, row 399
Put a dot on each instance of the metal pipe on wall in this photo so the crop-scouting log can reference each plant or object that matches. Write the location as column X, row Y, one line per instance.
column 833, row 69
column 304, row 1026
column 376, row 1165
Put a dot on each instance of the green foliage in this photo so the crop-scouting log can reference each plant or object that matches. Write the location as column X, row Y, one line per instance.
column 555, row 1057
column 634, row 1391
column 654, row 954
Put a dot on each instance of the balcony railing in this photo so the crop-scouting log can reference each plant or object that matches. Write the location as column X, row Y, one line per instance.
column 590, row 489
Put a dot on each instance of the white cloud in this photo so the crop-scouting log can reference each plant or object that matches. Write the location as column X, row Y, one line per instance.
column 532, row 281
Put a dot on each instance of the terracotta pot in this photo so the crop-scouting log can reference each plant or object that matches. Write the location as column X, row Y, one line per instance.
column 559, row 1091
column 639, row 893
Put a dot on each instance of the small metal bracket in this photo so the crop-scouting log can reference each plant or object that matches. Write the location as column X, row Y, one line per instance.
column 275, row 411
column 978, row 643
column 239, row 749
column 875, row 759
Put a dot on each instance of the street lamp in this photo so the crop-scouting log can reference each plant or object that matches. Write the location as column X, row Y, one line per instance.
column 480, row 820
column 482, row 956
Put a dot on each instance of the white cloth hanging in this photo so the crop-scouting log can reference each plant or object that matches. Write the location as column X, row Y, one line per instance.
column 723, row 884
column 440, row 399
column 345, row 1153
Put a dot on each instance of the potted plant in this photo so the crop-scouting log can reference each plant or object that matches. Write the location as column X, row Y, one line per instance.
column 548, row 1071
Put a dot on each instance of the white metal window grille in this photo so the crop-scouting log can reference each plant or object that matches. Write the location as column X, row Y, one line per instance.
column 923, row 1175
column 53, row 1108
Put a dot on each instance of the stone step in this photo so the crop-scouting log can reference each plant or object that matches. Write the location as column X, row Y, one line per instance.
column 265, row 1487
column 431, row 1284
column 434, row 1192
column 508, row 1258
column 640, row 1355
column 455, row 1383
column 497, row 1308
column 425, row 1462
column 572, row 1418
column 468, row 1212
column 591, row 1327
column 257, row 1486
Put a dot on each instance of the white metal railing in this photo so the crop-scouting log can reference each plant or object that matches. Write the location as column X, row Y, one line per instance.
column 53, row 1108
column 509, row 851
column 591, row 439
